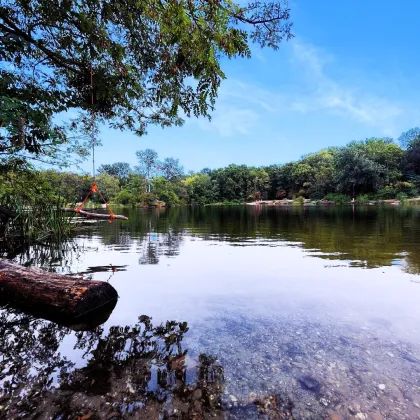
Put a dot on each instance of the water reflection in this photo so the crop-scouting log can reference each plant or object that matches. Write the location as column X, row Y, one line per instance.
column 361, row 236
column 366, row 236
column 138, row 369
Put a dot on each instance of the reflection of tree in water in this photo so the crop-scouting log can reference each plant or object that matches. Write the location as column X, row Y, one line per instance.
column 154, row 245
column 154, row 233
column 50, row 256
column 367, row 236
column 137, row 370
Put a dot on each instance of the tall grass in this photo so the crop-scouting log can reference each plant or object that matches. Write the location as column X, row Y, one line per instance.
column 30, row 212
column 37, row 221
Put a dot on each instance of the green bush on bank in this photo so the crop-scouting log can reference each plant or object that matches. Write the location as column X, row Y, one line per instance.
column 363, row 198
column 299, row 200
column 402, row 196
column 338, row 198
column 125, row 197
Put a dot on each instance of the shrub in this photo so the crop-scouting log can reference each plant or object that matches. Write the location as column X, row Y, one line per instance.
column 402, row 196
column 363, row 198
column 337, row 198
column 300, row 200
column 170, row 198
column 385, row 193
column 407, row 188
column 403, row 186
column 147, row 199
column 124, row 197
column 250, row 198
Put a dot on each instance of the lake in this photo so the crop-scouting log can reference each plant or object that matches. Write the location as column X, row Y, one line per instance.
column 229, row 312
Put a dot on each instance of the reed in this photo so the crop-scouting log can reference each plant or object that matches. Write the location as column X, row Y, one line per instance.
column 36, row 221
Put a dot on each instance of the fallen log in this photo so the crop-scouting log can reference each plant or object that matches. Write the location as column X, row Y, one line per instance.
column 94, row 215
column 55, row 296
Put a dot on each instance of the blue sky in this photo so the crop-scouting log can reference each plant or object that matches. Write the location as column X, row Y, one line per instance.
column 350, row 73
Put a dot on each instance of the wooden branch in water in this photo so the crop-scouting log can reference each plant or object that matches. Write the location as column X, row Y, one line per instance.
column 94, row 215
column 52, row 294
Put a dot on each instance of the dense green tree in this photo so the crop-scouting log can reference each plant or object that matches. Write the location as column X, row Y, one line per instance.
column 410, row 164
column 108, row 185
column 258, row 182
column 321, row 175
column 165, row 191
column 72, row 187
column 384, row 152
column 238, row 182
column 136, row 184
column 355, row 173
column 377, row 167
column 200, row 189
column 281, row 181
column 120, row 170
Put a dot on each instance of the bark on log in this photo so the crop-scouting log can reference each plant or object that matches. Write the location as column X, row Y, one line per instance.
column 94, row 215
column 54, row 295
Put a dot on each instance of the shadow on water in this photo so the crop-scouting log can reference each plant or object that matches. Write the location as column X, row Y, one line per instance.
column 139, row 371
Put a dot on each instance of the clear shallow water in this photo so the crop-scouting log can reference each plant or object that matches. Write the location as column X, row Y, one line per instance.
column 309, row 312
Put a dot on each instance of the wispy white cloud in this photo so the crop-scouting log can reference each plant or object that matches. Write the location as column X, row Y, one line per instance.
column 243, row 106
column 327, row 93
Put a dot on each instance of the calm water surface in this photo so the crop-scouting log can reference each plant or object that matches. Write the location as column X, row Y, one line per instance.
column 235, row 312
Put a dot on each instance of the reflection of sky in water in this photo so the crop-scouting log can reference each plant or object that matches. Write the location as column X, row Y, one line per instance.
column 265, row 278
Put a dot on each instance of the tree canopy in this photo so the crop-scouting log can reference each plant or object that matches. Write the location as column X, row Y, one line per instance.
column 150, row 61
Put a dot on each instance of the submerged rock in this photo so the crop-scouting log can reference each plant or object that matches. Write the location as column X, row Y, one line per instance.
column 309, row 383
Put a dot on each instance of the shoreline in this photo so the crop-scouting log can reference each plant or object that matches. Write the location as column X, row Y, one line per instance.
column 274, row 203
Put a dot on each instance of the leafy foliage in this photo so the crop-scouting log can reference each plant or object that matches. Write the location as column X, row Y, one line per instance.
column 148, row 60
column 120, row 170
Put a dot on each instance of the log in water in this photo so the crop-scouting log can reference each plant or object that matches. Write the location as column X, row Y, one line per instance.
column 52, row 294
column 95, row 215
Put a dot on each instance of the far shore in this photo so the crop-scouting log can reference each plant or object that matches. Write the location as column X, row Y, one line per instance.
column 308, row 202
column 269, row 203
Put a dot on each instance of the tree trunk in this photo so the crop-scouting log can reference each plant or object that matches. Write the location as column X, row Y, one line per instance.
column 95, row 215
column 53, row 295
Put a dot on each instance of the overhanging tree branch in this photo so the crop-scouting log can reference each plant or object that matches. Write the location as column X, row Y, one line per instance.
column 54, row 57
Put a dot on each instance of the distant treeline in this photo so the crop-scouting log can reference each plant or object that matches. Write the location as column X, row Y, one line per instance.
column 376, row 168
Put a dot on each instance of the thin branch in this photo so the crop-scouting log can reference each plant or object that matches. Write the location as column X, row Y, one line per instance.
column 256, row 22
column 57, row 59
